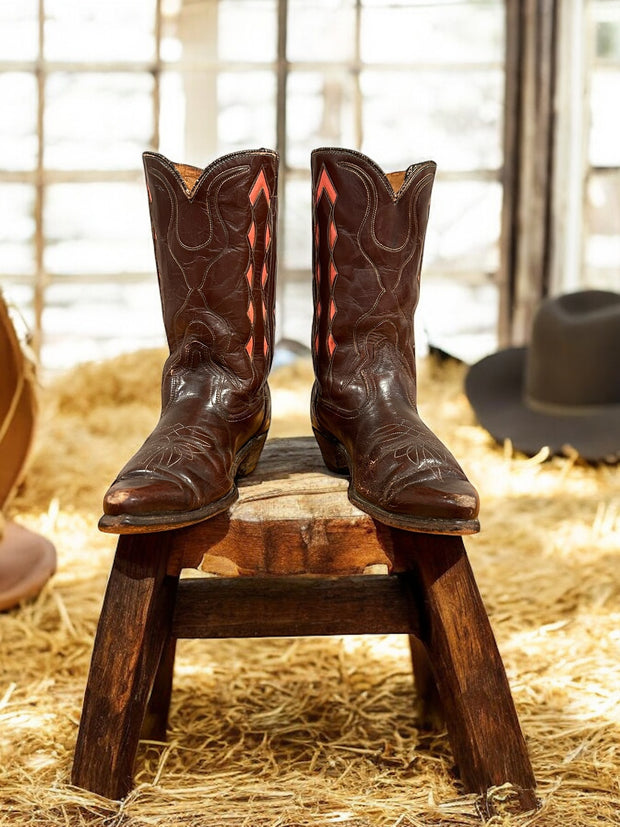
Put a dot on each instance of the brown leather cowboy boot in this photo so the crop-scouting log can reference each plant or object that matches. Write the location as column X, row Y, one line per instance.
column 214, row 235
column 369, row 231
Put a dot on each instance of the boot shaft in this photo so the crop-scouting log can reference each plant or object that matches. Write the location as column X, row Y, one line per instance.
column 214, row 233
column 369, row 231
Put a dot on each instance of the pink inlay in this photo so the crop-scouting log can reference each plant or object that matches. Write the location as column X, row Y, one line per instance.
column 325, row 184
column 259, row 185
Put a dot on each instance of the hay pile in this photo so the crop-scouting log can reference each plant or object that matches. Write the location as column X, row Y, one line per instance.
column 292, row 733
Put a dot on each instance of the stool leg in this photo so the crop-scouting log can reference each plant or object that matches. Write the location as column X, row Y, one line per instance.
column 133, row 628
column 480, row 715
column 430, row 712
column 155, row 724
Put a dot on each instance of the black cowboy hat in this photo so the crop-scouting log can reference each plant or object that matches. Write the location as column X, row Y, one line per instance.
column 563, row 391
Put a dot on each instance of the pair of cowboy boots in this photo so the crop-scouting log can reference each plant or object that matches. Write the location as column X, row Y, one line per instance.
column 214, row 233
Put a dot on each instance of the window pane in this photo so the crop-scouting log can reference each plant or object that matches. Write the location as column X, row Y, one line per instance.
column 97, row 121
column 97, row 228
column 19, row 31
column 464, row 226
column 605, row 127
column 247, row 31
column 246, row 110
column 204, row 114
column 319, row 113
column 18, row 137
column 453, row 117
column 99, row 321
column 602, row 253
column 228, row 30
column 444, row 318
column 321, row 30
column 188, row 122
column 432, row 33
column 172, row 118
column 294, row 320
column 297, row 253
column 88, row 30
column 606, row 14
column 17, row 228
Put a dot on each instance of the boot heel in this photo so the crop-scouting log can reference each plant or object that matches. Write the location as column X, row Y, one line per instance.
column 250, row 453
column 333, row 453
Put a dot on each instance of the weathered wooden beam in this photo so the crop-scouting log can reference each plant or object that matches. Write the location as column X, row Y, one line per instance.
column 529, row 162
column 294, row 606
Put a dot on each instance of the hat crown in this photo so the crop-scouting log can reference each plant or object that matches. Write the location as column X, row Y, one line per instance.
column 574, row 355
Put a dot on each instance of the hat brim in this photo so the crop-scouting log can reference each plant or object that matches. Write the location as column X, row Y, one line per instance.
column 494, row 387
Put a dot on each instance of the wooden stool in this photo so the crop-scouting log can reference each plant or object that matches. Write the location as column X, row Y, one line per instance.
column 293, row 518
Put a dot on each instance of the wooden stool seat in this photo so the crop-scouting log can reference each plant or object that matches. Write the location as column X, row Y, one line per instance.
column 294, row 557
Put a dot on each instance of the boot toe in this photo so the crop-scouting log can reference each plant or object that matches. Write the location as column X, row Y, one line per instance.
column 446, row 499
column 142, row 497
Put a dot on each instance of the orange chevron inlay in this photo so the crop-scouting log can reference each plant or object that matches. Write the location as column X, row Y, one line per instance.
column 333, row 234
column 325, row 184
column 260, row 185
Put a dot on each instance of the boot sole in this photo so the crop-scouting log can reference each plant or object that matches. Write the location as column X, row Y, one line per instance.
column 245, row 462
column 337, row 460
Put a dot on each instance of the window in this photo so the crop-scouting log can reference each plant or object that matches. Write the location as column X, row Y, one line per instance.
column 602, row 222
column 87, row 86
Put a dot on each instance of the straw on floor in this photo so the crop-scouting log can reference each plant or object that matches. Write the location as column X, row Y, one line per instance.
column 305, row 732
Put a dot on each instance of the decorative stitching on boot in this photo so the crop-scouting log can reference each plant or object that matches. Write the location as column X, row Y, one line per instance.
column 177, row 442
